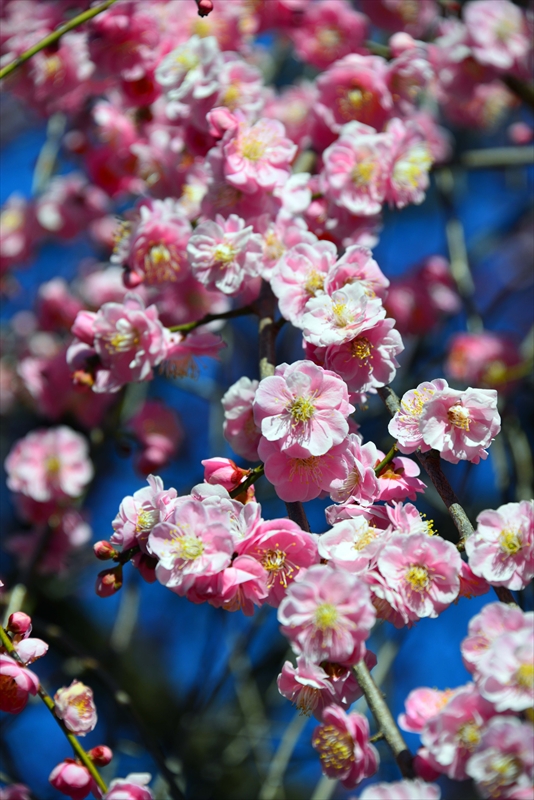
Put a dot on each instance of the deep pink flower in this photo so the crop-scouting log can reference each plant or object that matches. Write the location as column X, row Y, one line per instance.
column 329, row 30
column 504, row 760
column 123, row 37
column 421, row 705
column 16, row 683
column 482, row 359
column 239, row 427
column 497, row 32
column 344, row 748
column 303, row 404
column 502, row 548
column 300, row 274
column 69, row 204
column 223, row 472
column 73, row 779
column 75, row 706
column 133, row 787
column 158, row 430
column 312, row 686
column 412, row 16
column 405, row 425
column 56, row 306
column 243, row 585
column 139, row 513
column 49, row 464
column 258, row 156
column 17, row 791
column 327, row 615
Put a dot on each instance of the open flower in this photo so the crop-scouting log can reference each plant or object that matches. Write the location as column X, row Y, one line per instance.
column 343, row 745
column 16, row 683
column 75, row 706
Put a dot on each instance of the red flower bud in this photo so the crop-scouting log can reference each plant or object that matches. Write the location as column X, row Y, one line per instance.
column 204, row 7
column 104, row 551
column 101, row 755
column 19, row 623
column 109, row 581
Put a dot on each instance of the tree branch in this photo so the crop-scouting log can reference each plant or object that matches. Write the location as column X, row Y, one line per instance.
column 234, row 312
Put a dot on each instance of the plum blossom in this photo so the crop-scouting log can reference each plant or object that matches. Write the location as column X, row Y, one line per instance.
column 312, row 686
column 344, row 749
column 49, row 464
column 303, row 404
column 359, row 483
column 225, row 253
column 16, row 791
column 405, row 425
column 188, row 74
column 502, row 548
column 300, row 274
column 402, row 790
column 411, row 162
column 352, row 544
column 485, row 628
column 257, row 156
column 239, row 427
column 158, row 430
column 328, row 31
column 505, row 676
column 73, row 779
column 412, row 16
column 497, row 32
column 133, row 787
column 75, row 706
column 327, row 615
column 139, row 513
column 244, row 584
column 482, row 358
column 504, row 758
column 357, row 265
column 421, row 705
column 399, row 481
column 17, row 683
column 341, row 317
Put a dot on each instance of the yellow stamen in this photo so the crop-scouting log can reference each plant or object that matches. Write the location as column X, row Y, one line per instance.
column 362, row 173
column 336, row 748
column 525, row 676
column 418, row 578
column 314, row 282
column 361, row 348
column 326, row 616
column 459, row 417
column 302, row 409
column 510, row 542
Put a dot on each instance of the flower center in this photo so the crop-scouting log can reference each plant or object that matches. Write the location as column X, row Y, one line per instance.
column 336, row 748
column 364, row 539
column 146, row 520
column 302, row 409
column 341, row 314
column 504, row 29
column 507, row 768
column 413, row 167
column 224, row 254
column 306, row 467
column 275, row 562
column 459, row 417
column 469, row 735
column 408, row 10
column 325, row 617
column 361, row 348
column 510, row 542
column 525, row 676
column 231, row 97
column 252, row 149
column 52, row 465
column 417, row 577
column 123, row 339
column 362, row 173
column 189, row 547
column 314, row 282
column 328, row 38
column 414, row 406
column 11, row 220
column 83, row 706
column 307, row 699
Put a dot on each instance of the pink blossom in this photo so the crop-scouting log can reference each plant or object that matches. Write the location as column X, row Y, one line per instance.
column 109, row 581
column 292, row 107
column 421, row 574
column 359, row 483
column 190, row 545
column 296, row 475
column 505, row 675
column 138, row 514
column 223, row 471
column 312, row 687
column 402, row 790
column 341, row 317
column 485, row 628
column 357, row 265
column 405, row 425
column 461, row 424
column 241, row 87
column 49, row 464
column 328, row 31
column 399, row 481
column 504, row 759
column 17, row 683
column 188, row 74
column 17, row 791
column 303, row 404
column 409, row 76
column 280, row 235
column 73, row 779
column 352, row 544
column 75, row 706
column 283, row 549
column 223, row 254
column 520, row 133
column 243, row 585
column 344, row 749
column 152, row 248
column 421, row 705
column 497, row 32
column 240, row 518
column 356, row 169
column 327, row 615
column 257, row 156
column 30, row 649
column 502, row 548
column 482, row 359
column 127, row 339
column 470, row 584
column 133, row 787
column 239, row 427
column 184, row 348
column 158, row 429
column 19, row 623
column 411, row 162
column 453, row 734
column 300, row 274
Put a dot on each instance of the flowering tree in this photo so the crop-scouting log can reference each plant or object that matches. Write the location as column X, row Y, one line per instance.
column 211, row 187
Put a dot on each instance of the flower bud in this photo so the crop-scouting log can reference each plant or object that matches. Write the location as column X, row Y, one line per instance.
column 72, row 779
column 204, row 7
column 101, row 755
column 19, row 623
column 223, row 471
column 109, row 581
column 104, row 551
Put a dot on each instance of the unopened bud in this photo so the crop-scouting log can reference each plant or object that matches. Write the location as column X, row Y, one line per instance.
column 101, row 755
column 104, row 551
column 19, row 623
column 204, row 7
column 109, row 581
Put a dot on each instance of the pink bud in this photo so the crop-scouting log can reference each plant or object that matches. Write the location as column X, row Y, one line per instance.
column 19, row 623
column 401, row 42
column 520, row 133
column 72, row 779
column 83, row 326
column 101, row 755
column 223, row 471
column 104, row 551
column 109, row 581
column 204, row 7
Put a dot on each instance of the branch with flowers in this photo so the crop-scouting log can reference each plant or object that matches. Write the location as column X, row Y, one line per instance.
column 213, row 197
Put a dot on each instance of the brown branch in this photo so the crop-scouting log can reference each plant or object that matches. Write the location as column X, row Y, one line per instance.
column 523, row 90
column 186, row 327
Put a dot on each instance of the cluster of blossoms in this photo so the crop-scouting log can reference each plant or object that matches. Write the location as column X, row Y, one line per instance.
column 481, row 730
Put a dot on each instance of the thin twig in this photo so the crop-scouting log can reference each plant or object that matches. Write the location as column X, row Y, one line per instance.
column 54, row 37
column 186, row 327
column 282, row 757
column 525, row 91
column 387, row 460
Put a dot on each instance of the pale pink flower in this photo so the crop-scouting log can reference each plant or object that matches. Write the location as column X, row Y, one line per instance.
column 73, row 779
column 241, row 519
column 520, row 133
column 152, row 247
column 460, row 425
column 399, row 481
column 482, row 359
column 17, row 683
column 340, row 317
column 241, row 87
column 128, row 339
column 359, row 483
column 497, row 32
column 75, row 706
column 505, row 675
column 190, row 545
column 421, row 574
column 402, row 790
column 49, row 464
column 356, row 169
column 69, row 204
column 484, row 629
column 139, row 513
column 453, row 734
column 280, row 235
column 224, row 254
column 357, row 265
column 295, row 474
column 352, row 544
column 504, row 760
column 283, row 549
column 300, row 274
column 421, row 705
column 409, row 76
column 239, row 427
column 303, row 404
column 502, row 548
column 257, row 156
column 158, row 429
column 410, row 164
column 243, row 585
column 30, row 649
column 133, row 787
column 329, row 30
column 344, row 748
column 405, row 425
column 189, row 74
column 327, row 615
